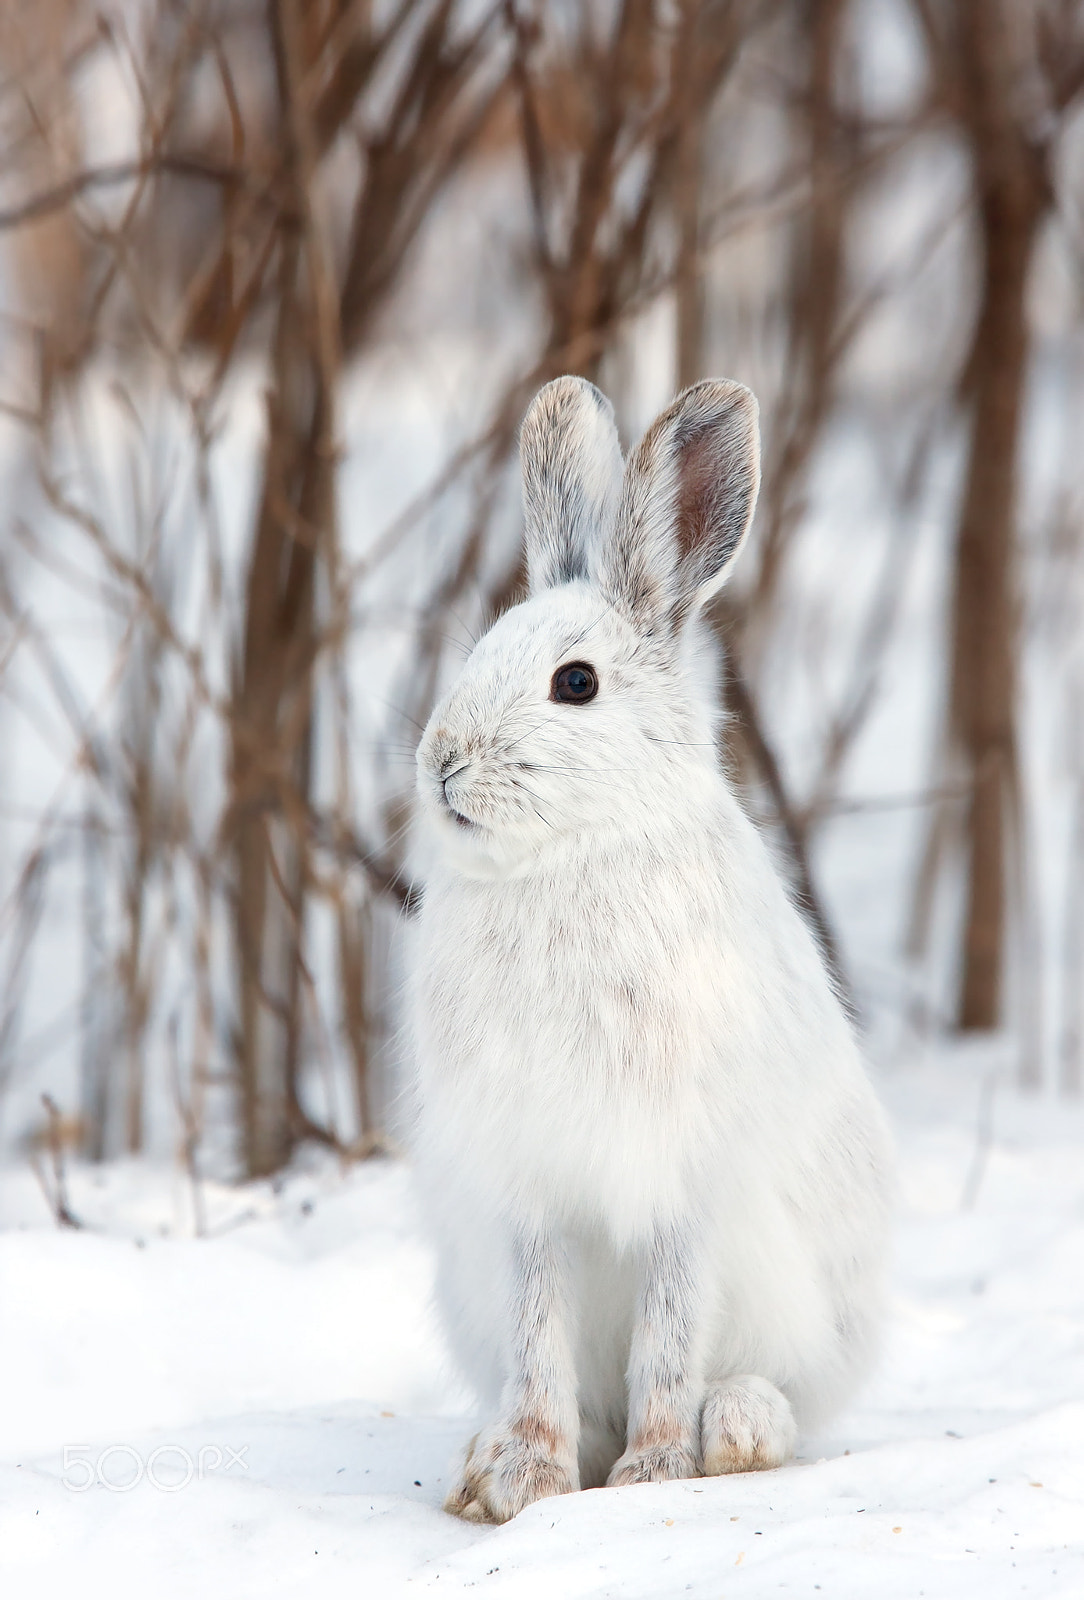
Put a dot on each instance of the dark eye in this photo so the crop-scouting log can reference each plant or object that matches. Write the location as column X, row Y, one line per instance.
column 575, row 684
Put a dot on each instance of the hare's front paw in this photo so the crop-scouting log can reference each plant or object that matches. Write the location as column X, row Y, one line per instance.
column 746, row 1426
column 657, row 1463
column 509, row 1467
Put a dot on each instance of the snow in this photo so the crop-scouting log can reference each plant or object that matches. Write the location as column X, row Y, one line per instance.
column 289, row 1374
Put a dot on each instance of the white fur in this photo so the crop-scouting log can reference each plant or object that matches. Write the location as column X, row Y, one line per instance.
column 655, row 1168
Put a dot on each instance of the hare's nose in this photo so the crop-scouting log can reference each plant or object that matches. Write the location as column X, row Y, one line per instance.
column 451, row 769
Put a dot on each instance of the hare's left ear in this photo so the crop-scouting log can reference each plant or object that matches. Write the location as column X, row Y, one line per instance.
column 688, row 497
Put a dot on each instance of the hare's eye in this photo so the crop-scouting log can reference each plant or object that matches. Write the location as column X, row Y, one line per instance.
column 575, row 684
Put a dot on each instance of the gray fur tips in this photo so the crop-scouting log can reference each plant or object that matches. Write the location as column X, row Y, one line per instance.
column 657, row 536
column 572, row 469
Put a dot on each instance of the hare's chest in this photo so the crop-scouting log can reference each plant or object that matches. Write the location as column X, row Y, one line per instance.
column 542, row 986
column 573, row 1040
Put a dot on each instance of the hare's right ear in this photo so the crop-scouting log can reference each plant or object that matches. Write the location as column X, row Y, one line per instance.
column 572, row 471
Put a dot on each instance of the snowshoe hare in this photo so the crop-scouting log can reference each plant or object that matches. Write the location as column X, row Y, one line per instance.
column 655, row 1168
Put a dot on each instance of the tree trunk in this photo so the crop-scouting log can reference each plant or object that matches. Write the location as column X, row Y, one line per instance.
column 818, row 276
column 688, row 185
column 272, row 724
column 983, row 686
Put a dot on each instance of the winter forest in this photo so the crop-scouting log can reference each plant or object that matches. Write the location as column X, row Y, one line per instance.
column 278, row 281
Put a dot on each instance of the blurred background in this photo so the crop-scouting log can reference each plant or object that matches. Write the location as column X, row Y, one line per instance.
column 277, row 281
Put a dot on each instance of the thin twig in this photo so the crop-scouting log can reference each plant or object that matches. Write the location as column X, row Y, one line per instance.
column 65, row 1217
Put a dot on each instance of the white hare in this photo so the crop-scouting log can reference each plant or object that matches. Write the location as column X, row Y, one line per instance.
column 655, row 1168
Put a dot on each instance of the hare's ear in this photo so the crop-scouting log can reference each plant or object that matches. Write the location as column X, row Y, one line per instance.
column 572, row 467
column 688, row 498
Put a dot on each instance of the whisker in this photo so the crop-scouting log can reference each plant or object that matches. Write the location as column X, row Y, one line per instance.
column 462, row 624
column 580, row 637
column 457, row 644
column 406, row 716
column 535, row 766
column 525, row 735
column 534, row 807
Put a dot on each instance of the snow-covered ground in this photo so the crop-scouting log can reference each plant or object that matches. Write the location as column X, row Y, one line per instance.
column 280, row 1393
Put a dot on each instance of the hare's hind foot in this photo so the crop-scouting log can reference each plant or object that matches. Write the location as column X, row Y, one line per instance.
column 509, row 1467
column 746, row 1426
